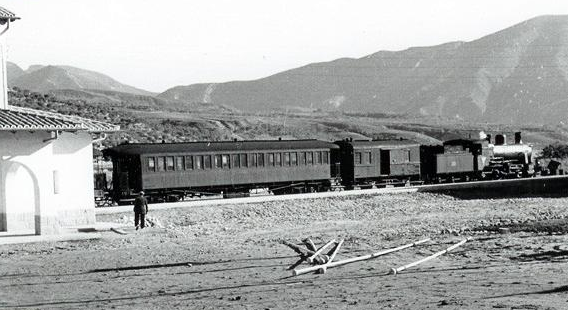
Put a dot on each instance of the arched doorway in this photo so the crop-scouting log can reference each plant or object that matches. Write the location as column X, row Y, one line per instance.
column 21, row 204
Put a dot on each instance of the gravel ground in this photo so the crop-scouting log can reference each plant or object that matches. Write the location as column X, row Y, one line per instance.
column 231, row 256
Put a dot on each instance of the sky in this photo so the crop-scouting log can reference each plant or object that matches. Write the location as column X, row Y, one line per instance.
column 155, row 45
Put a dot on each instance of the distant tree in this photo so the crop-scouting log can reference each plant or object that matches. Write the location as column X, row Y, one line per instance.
column 556, row 150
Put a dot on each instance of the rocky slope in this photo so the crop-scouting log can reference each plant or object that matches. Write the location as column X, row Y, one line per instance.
column 516, row 75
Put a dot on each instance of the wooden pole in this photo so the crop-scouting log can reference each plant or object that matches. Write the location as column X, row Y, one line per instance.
column 298, row 249
column 321, row 259
column 310, row 244
column 318, row 252
column 335, row 251
column 399, row 269
column 304, row 253
column 356, row 259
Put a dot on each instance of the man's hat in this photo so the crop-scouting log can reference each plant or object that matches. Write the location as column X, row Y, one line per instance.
column 141, row 193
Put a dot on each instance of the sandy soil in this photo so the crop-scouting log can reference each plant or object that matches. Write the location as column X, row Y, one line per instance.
column 238, row 262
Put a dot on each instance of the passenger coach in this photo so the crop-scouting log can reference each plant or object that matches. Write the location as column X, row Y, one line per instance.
column 173, row 171
column 366, row 163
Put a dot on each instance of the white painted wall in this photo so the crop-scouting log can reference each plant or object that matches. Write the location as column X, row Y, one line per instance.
column 3, row 73
column 73, row 195
column 31, row 199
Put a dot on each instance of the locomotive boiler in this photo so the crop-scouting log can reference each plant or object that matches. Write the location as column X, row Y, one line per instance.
column 509, row 160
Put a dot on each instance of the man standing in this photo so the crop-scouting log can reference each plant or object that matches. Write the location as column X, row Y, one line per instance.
column 140, row 210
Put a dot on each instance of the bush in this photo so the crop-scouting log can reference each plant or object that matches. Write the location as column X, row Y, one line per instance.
column 555, row 150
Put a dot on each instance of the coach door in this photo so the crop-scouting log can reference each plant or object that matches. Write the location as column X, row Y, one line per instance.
column 385, row 162
column 123, row 183
column 122, row 176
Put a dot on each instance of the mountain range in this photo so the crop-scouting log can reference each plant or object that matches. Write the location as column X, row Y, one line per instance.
column 48, row 78
column 517, row 75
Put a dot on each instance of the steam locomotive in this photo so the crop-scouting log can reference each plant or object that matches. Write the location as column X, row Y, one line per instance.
column 175, row 171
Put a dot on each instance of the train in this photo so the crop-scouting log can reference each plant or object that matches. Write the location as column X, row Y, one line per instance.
column 176, row 171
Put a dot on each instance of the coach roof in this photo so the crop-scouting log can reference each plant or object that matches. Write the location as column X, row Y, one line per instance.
column 218, row 146
column 381, row 143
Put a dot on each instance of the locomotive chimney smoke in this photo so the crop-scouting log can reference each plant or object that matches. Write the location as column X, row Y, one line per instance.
column 518, row 138
column 482, row 135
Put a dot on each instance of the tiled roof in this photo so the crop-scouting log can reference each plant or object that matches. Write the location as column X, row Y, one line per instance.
column 18, row 118
column 6, row 15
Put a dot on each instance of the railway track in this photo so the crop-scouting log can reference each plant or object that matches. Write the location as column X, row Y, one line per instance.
column 550, row 185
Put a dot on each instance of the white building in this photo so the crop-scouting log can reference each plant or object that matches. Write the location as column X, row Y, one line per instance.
column 46, row 170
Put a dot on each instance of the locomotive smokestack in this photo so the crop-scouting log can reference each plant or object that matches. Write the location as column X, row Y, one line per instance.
column 518, row 138
column 499, row 139
column 488, row 138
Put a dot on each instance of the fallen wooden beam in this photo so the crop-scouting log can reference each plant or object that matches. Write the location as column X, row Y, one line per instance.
column 335, row 251
column 118, row 231
column 305, row 253
column 356, row 259
column 318, row 252
column 399, row 269
column 310, row 244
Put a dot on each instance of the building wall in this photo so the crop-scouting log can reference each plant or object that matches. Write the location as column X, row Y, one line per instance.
column 3, row 73
column 45, row 185
column 72, row 174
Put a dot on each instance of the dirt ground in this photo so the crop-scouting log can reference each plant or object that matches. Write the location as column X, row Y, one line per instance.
column 231, row 257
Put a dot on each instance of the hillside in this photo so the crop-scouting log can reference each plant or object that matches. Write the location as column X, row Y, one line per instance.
column 519, row 74
column 14, row 71
column 109, row 97
column 46, row 78
column 149, row 121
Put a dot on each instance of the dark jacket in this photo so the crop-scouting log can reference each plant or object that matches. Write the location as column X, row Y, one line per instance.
column 141, row 205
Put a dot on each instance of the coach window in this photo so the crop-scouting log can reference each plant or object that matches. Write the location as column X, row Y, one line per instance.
column 358, row 158
column 271, row 159
column 199, row 162
column 286, row 159
column 151, row 164
column 369, row 157
column 252, row 160
column 408, row 156
column 179, row 163
column 303, row 158
column 217, row 161
column 244, row 161
column 161, row 163
column 278, row 159
column 310, row 158
column 260, row 160
column 318, row 158
column 235, row 160
column 325, row 157
column 294, row 159
column 207, row 162
column 225, row 161
column 188, row 162
column 170, row 163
